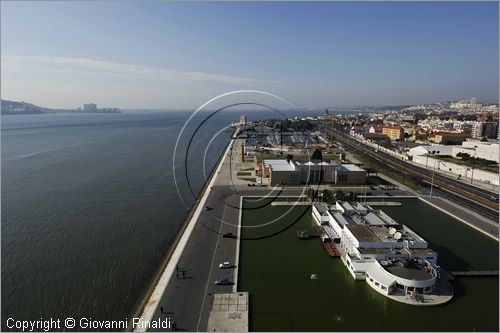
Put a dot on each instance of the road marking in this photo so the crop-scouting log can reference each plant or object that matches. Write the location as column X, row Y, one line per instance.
column 211, row 267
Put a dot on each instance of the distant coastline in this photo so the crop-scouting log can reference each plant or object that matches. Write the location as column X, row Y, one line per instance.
column 23, row 108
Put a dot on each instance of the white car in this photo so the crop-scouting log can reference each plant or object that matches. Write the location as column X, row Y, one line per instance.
column 226, row 264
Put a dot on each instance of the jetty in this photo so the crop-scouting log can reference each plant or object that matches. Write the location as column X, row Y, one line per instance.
column 305, row 234
column 384, row 203
column 475, row 273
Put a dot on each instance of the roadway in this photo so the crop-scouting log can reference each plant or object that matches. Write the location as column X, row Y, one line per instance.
column 187, row 299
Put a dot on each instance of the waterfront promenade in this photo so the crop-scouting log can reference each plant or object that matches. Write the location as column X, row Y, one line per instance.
column 185, row 289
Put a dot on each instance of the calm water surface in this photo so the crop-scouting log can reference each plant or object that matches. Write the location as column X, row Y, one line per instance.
column 276, row 271
column 89, row 209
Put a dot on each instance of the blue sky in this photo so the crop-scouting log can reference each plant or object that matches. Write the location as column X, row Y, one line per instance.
column 178, row 55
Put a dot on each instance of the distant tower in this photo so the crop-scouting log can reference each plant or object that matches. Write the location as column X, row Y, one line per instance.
column 327, row 112
column 243, row 120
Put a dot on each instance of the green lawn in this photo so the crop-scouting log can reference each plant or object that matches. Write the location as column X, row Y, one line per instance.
column 489, row 168
column 387, row 172
column 297, row 157
column 250, row 179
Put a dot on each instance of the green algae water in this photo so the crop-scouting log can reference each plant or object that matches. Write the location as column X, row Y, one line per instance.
column 276, row 271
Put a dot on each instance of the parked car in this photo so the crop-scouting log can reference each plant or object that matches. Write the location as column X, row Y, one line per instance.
column 226, row 264
column 208, row 208
column 228, row 235
column 222, row 282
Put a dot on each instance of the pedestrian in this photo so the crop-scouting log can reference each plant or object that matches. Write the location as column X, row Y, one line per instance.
column 183, row 274
column 177, row 275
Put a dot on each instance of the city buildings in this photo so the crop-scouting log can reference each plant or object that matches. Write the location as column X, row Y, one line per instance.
column 394, row 132
column 484, row 129
column 449, row 138
column 90, row 107
column 468, row 104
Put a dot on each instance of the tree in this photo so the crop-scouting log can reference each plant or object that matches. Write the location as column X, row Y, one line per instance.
column 463, row 156
column 340, row 195
column 312, row 194
column 328, row 197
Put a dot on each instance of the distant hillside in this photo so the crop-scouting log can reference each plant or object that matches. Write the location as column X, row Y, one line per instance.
column 10, row 107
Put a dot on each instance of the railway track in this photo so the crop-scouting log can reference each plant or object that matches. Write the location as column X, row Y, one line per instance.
column 473, row 199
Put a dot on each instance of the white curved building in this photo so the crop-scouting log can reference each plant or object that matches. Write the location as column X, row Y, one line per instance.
column 390, row 257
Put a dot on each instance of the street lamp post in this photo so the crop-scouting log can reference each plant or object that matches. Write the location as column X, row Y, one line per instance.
column 403, row 164
column 473, row 163
column 433, row 170
column 427, row 155
column 432, row 179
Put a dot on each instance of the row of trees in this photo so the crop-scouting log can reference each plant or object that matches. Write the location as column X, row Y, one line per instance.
column 330, row 197
column 472, row 159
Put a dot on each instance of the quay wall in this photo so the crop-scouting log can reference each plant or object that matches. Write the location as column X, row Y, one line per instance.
column 148, row 306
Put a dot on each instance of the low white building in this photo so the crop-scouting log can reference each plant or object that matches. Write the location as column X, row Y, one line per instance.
column 438, row 150
column 487, row 150
column 312, row 172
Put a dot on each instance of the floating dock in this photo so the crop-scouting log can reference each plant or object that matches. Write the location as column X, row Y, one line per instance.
column 304, row 234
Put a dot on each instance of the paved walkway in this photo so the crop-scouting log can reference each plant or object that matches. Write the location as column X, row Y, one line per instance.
column 171, row 269
column 229, row 313
column 186, row 288
column 442, row 294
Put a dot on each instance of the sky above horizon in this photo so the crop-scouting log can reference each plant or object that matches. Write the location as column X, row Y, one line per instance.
column 172, row 55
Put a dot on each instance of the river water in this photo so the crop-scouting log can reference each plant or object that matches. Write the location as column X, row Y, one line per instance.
column 89, row 208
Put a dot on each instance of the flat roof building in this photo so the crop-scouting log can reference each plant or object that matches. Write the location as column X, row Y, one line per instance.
column 394, row 132
column 312, row 172
column 390, row 257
